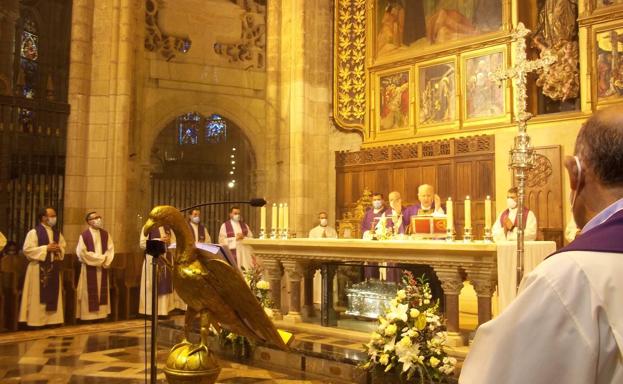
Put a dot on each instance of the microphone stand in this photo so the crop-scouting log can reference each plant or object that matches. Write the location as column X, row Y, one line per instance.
column 257, row 202
column 155, row 248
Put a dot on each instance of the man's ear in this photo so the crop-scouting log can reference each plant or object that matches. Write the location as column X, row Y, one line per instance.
column 572, row 170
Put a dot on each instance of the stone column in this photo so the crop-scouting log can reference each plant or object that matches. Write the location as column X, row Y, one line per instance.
column 308, row 294
column 484, row 281
column 295, row 271
column 451, row 282
column 273, row 271
column 328, row 317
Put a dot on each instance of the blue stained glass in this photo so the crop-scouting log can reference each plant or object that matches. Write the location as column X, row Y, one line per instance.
column 188, row 128
column 215, row 130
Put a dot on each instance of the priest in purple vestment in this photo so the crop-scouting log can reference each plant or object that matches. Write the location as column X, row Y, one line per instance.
column 370, row 220
column 42, row 296
column 429, row 205
column 96, row 252
column 199, row 230
column 565, row 324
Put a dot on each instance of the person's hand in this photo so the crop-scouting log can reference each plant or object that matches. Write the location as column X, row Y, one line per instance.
column 239, row 236
column 437, row 201
column 53, row 247
column 166, row 238
column 508, row 224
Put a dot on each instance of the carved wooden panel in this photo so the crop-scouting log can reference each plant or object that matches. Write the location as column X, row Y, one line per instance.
column 455, row 167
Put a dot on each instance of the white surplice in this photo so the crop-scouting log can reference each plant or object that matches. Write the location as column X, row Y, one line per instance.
column 529, row 233
column 31, row 310
column 195, row 228
column 167, row 302
column 564, row 326
column 100, row 259
column 244, row 253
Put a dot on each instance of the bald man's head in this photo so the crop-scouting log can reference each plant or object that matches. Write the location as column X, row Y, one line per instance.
column 395, row 201
column 426, row 195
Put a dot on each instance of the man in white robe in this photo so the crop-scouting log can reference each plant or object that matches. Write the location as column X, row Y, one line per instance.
column 42, row 295
column 200, row 232
column 232, row 232
column 565, row 324
column 96, row 252
column 168, row 300
column 506, row 225
column 321, row 231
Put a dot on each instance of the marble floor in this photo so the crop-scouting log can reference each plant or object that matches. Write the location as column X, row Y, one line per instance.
column 105, row 353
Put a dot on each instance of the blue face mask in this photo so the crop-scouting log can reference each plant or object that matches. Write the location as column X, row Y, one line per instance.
column 377, row 204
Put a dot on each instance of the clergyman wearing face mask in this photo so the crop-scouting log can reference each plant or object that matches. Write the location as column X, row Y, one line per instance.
column 507, row 223
column 323, row 230
column 200, row 232
column 232, row 232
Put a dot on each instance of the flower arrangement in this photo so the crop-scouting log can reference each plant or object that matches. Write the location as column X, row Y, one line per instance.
column 260, row 288
column 409, row 340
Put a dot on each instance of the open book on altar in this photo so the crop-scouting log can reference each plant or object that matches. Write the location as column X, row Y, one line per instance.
column 214, row 249
column 428, row 226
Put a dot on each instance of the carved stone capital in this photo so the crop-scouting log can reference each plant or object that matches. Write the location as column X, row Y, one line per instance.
column 483, row 280
column 450, row 278
column 294, row 269
column 272, row 268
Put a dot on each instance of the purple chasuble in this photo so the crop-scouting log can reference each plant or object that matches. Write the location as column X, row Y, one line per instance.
column 165, row 285
column 49, row 271
column 606, row 237
column 230, row 233
column 94, row 301
column 507, row 212
column 368, row 218
column 200, row 232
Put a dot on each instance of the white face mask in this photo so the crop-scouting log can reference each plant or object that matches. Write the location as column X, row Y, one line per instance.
column 196, row 219
column 51, row 221
column 574, row 192
column 377, row 204
column 511, row 203
column 324, row 222
column 97, row 223
column 236, row 218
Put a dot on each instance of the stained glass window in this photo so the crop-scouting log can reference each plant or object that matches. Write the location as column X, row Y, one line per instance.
column 188, row 128
column 29, row 55
column 215, row 129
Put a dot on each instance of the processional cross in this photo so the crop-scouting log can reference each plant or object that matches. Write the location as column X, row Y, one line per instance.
column 522, row 154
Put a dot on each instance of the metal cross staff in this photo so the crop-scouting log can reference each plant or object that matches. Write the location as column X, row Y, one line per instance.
column 522, row 153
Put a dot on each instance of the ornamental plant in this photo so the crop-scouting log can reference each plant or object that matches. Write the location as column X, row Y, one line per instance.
column 410, row 338
column 261, row 289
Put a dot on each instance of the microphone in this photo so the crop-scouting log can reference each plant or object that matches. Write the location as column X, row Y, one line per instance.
column 254, row 202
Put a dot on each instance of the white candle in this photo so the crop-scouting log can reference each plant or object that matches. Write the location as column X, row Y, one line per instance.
column 263, row 218
column 450, row 213
column 273, row 219
column 280, row 224
column 286, row 216
column 468, row 212
column 488, row 212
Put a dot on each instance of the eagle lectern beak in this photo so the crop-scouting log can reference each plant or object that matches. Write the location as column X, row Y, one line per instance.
column 148, row 226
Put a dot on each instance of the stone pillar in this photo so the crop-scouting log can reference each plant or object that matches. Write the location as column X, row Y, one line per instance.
column 295, row 271
column 308, row 294
column 273, row 271
column 328, row 317
column 451, row 282
column 484, row 281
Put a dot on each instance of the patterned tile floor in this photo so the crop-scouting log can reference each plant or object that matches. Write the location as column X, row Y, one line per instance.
column 104, row 353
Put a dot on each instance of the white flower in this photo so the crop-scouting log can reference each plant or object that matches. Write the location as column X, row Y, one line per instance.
column 263, row 285
column 384, row 359
column 434, row 361
column 401, row 295
column 398, row 313
column 390, row 330
column 426, row 301
column 414, row 313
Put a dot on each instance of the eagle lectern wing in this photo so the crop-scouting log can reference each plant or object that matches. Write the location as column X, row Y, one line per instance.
column 240, row 311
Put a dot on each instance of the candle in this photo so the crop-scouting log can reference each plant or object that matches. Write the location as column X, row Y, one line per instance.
column 280, row 225
column 488, row 212
column 468, row 213
column 286, row 216
column 273, row 219
column 449, row 213
column 263, row 218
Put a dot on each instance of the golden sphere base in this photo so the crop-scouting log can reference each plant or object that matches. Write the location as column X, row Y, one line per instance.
column 198, row 367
